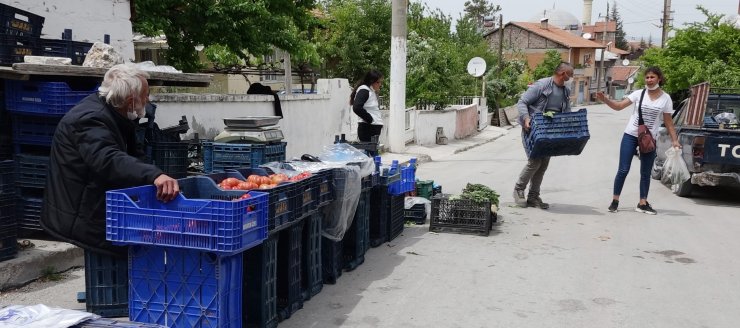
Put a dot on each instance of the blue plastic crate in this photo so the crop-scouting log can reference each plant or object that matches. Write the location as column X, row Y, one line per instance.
column 260, row 289
column 199, row 218
column 326, row 186
column 218, row 157
column 34, row 130
column 75, row 50
column 8, row 219
column 108, row 323
column 289, row 271
column 8, row 244
column 563, row 134
column 307, row 196
column 17, row 22
column 44, row 98
column 7, row 178
column 171, row 157
column 29, row 212
column 282, row 199
column 14, row 48
column 312, row 279
column 106, row 285
column 407, row 183
column 31, row 170
column 356, row 238
column 185, row 288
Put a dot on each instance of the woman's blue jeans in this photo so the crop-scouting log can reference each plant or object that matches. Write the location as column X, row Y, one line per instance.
column 626, row 151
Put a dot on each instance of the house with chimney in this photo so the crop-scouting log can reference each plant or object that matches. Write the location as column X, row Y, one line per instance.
column 531, row 41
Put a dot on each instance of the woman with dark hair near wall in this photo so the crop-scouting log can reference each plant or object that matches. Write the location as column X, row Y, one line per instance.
column 365, row 104
column 656, row 107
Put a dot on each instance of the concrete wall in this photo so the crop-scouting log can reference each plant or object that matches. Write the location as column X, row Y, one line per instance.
column 88, row 19
column 427, row 122
column 310, row 121
column 466, row 121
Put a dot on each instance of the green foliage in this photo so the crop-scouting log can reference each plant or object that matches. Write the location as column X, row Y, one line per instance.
column 50, row 274
column 505, row 86
column 479, row 193
column 477, row 9
column 357, row 38
column 703, row 51
column 548, row 66
column 242, row 27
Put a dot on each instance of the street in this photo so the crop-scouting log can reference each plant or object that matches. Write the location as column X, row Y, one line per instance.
column 574, row 265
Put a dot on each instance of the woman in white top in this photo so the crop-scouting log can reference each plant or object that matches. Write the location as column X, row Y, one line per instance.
column 364, row 101
column 657, row 107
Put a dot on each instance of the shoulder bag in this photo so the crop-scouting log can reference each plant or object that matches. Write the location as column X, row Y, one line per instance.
column 645, row 140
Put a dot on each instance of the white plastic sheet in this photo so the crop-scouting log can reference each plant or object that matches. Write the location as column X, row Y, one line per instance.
column 339, row 214
column 411, row 201
column 345, row 154
column 41, row 316
column 675, row 171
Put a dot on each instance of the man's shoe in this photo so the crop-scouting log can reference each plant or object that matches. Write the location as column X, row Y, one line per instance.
column 536, row 201
column 614, row 206
column 519, row 197
column 647, row 209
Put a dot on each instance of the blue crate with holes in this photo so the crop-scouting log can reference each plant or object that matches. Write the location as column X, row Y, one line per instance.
column 44, row 98
column 312, row 279
column 106, row 285
column 33, row 130
column 289, row 296
column 260, row 284
column 75, row 50
column 109, row 323
column 31, row 170
column 407, row 182
column 560, row 135
column 14, row 48
column 201, row 217
column 7, row 178
column 28, row 210
column 324, row 178
column 17, row 22
column 218, row 157
column 179, row 287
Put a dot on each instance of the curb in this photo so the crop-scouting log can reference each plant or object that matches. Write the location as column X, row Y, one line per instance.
column 31, row 264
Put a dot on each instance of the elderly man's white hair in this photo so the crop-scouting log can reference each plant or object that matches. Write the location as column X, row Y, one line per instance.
column 120, row 82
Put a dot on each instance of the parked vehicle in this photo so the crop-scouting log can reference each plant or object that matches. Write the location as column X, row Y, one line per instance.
column 708, row 129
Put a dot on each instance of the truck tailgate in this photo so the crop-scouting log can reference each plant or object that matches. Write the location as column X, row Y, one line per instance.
column 722, row 149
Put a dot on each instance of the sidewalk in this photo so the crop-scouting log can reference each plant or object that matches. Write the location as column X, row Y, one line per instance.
column 32, row 262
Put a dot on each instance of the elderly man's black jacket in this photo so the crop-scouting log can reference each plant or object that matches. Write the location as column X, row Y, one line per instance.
column 93, row 151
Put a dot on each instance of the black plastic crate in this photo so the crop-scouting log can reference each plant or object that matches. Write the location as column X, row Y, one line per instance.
column 395, row 216
column 312, row 281
column 307, row 197
column 17, row 22
column 34, row 130
column 8, row 244
column 378, row 220
column 460, row 215
column 326, row 186
column 106, row 285
column 6, row 145
column 7, row 178
column 331, row 260
column 171, row 157
column 14, row 48
column 290, row 246
column 281, row 207
column 416, row 214
column 7, row 213
column 31, row 170
column 260, row 290
column 108, row 323
column 355, row 239
column 75, row 50
column 28, row 210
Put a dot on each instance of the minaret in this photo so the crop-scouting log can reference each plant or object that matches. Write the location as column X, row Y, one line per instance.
column 587, row 8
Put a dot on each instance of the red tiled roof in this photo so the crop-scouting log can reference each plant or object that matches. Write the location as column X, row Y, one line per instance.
column 598, row 27
column 622, row 73
column 558, row 35
column 619, row 51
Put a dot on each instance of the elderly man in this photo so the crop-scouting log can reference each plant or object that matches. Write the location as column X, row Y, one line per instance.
column 93, row 151
column 549, row 94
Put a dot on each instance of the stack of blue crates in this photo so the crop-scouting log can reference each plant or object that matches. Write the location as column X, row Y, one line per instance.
column 562, row 134
column 35, row 108
column 8, row 226
column 186, row 267
column 219, row 157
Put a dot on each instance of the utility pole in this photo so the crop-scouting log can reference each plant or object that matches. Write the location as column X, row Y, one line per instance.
column 600, row 73
column 500, row 43
column 666, row 21
column 396, row 124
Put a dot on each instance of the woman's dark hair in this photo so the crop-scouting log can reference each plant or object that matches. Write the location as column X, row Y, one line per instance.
column 371, row 77
column 655, row 70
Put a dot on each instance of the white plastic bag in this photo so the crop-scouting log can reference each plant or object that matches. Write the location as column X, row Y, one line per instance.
column 411, row 201
column 675, row 171
column 41, row 316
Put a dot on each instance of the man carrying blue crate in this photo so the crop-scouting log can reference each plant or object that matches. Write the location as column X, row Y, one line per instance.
column 550, row 94
column 93, row 151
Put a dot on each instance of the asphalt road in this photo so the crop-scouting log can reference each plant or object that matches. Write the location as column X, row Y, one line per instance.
column 574, row 265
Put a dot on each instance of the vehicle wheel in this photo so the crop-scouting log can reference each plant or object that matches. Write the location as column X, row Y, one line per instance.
column 657, row 172
column 684, row 190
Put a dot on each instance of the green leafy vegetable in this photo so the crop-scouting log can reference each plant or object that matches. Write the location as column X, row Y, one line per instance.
column 479, row 193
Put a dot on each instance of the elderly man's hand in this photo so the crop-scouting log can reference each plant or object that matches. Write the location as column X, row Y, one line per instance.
column 167, row 188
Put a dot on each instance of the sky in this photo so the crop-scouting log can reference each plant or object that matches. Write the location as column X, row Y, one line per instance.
column 640, row 18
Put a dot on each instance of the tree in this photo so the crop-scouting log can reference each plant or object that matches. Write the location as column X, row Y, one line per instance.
column 620, row 40
column 703, row 51
column 478, row 9
column 243, row 27
column 356, row 38
column 548, row 66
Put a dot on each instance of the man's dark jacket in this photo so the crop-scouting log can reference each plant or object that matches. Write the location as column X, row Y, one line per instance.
column 93, row 150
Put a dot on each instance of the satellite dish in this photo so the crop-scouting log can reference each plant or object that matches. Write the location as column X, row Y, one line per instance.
column 631, row 80
column 476, row 67
column 587, row 36
column 625, row 62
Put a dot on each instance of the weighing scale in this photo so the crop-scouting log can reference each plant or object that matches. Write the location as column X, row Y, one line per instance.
column 251, row 129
